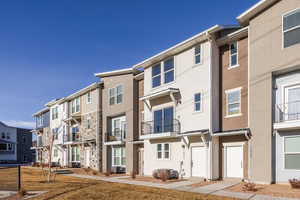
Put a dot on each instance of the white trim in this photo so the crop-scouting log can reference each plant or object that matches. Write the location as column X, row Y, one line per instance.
column 115, row 94
column 289, row 153
column 89, row 97
column 162, row 151
column 112, row 156
column 199, row 54
column 163, row 72
column 224, row 152
column 116, row 72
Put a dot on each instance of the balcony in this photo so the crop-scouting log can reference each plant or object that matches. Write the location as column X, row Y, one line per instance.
column 160, row 129
column 115, row 137
column 72, row 138
column 287, row 116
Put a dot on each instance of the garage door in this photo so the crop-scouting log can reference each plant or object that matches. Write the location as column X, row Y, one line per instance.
column 234, row 161
column 199, row 161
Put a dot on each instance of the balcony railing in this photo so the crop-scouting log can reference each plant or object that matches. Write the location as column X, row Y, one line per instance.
column 116, row 135
column 287, row 112
column 157, row 127
column 72, row 137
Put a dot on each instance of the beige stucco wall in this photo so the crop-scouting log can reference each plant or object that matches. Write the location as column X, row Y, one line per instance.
column 129, row 108
column 266, row 56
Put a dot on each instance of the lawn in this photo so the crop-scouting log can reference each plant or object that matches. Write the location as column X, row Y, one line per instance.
column 66, row 187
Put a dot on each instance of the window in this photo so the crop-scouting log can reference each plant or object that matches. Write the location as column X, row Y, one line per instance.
column 118, row 156
column 75, row 105
column 3, row 135
column 3, row 147
column 75, row 154
column 163, row 120
column 116, row 95
column 292, row 153
column 24, row 139
column 233, row 100
column 291, row 28
column 163, row 151
column 156, row 77
column 55, row 153
column 55, row 133
column 9, row 147
column 88, row 123
column 169, row 70
column 54, row 113
column 233, row 55
column 7, row 135
column 40, row 121
column 89, row 97
column 197, row 54
column 197, row 102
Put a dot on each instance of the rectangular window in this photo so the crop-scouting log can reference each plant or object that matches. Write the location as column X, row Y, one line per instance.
column 89, row 97
column 163, row 151
column 169, row 70
column 75, row 105
column 291, row 28
column 116, row 95
column 118, row 156
column 197, row 102
column 163, row 120
column 75, row 154
column 55, row 153
column 88, row 123
column 197, row 52
column 156, row 76
column 3, row 147
column 233, row 101
column 55, row 113
column 292, row 153
column 9, row 147
column 233, row 54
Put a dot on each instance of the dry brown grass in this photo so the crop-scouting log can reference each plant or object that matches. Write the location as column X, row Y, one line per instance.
column 275, row 190
column 72, row 188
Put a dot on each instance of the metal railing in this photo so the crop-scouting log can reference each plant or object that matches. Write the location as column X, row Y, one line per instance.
column 72, row 137
column 287, row 112
column 157, row 127
column 116, row 135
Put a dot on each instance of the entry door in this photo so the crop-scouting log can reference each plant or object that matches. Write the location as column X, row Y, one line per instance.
column 141, row 161
column 199, row 161
column 87, row 157
column 234, row 161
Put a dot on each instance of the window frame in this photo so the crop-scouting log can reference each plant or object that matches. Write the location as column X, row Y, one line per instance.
column 74, row 103
column 289, row 153
column 237, row 55
column 77, row 153
column 227, row 103
column 170, row 70
column 115, row 95
column 120, row 157
column 163, row 72
column 157, row 75
column 163, row 151
column 196, row 102
column 88, row 98
column 291, row 29
column 54, row 114
column 199, row 54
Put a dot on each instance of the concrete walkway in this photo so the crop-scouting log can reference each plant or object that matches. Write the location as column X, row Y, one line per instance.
column 214, row 189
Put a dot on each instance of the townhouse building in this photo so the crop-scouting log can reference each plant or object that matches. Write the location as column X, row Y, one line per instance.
column 120, row 120
column 234, row 133
column 181, row 107
column 15, row 145
column 42, row 130
column 274, row 60
column 81, row 137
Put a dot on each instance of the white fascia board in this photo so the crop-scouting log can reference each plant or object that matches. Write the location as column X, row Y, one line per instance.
column 115, row 72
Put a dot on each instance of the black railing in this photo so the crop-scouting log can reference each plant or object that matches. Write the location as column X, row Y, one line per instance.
column 156, row 127
column 287, row 112
column 72, row 137
column 116, row 135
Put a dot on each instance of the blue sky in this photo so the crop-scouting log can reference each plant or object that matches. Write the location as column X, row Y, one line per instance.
column 51, row 48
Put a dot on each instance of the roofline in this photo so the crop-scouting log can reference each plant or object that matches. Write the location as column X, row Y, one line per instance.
column 81, row 92
column 18, row 128
column 208, row 31
column 254, row 10
column 53, row 102
column 41, row 111
column 240, row 33
column 116, row 72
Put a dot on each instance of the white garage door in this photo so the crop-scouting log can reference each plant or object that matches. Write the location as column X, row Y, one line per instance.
column 234, row 161
column 199, row 161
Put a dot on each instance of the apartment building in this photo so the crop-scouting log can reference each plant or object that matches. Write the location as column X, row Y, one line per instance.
column 181, row 107
column 42, row 130
column 120, row 120
column 234, row 132
column 274, row 94
column 15, row 145
column 82, row 134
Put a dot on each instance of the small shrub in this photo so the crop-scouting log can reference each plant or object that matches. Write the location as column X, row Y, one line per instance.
column 94, row 173
column 108, row 173
column 155, row 174
column 22, row 193
column 295, row 183
column 250, row 187
column 164, row 175
column 133, row 174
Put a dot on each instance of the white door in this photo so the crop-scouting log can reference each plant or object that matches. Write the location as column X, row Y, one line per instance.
column 234, row 161
column 199, row 161
column 87, row 157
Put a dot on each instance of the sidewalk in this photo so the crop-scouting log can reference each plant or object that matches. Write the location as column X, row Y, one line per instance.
column 213, row 189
